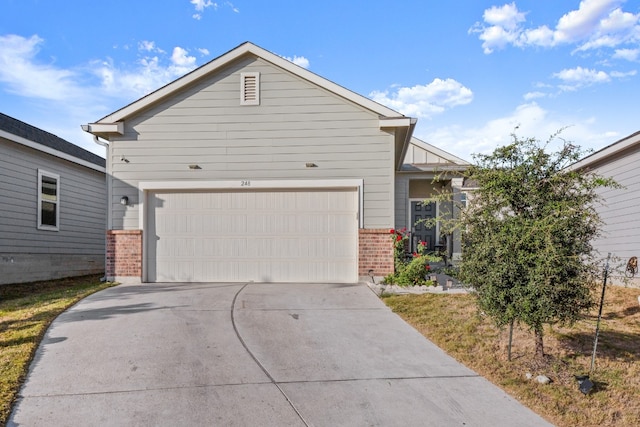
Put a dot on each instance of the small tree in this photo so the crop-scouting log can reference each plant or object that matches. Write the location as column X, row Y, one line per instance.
column 527, row 235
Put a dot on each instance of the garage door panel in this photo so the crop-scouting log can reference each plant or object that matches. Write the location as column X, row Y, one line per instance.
column 282, row 236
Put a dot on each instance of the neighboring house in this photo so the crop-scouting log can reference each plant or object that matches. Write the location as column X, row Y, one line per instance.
column 251, row 168
column 52, row 206
column 621, row 209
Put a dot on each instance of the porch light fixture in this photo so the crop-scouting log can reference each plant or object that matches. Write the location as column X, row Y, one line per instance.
column 193, row 167
column 124, row 200
column 371, row 274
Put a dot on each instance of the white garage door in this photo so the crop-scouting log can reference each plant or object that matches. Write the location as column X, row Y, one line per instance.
column 264, row 236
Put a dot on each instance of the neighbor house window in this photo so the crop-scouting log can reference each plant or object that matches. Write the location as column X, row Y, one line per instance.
column 463, row 199
column 48, row 201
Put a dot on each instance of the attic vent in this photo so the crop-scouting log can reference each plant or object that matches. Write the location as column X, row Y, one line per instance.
column 250, row 89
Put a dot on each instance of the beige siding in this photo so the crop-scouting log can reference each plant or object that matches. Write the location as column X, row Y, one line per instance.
column 418, row 155
column 25, row 250
column 295, row 123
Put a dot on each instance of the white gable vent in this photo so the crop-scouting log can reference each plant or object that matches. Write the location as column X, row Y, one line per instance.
column 250, row 89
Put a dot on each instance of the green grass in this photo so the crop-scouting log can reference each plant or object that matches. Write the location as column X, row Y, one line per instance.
column 26, row 311
column 453, row 323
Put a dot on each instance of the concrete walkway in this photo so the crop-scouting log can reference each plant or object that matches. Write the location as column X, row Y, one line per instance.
column 250, row 355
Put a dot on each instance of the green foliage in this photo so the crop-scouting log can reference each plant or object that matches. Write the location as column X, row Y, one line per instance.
column 527, row 234
column 409, row 270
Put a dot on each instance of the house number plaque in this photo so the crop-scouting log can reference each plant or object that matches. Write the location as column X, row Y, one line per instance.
column 246, row 183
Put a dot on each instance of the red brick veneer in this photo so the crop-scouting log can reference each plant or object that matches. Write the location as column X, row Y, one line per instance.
column 124, row 253
column 376, row 252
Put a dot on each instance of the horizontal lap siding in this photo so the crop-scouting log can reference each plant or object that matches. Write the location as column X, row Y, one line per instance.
column 82, row 204
column 621, row 209
column 295, row 123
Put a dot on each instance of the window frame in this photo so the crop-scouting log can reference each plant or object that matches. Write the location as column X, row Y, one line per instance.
column 41, row 175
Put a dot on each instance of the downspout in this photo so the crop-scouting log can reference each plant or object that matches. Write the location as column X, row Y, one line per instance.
column 106, row 178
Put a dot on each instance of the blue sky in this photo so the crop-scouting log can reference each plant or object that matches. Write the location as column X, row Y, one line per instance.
column 469, row 70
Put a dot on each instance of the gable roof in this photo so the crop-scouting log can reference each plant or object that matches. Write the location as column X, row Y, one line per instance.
column 112, row 124
column 31, row 136
column 435, row 159
column 609, row 152
column 246, row 48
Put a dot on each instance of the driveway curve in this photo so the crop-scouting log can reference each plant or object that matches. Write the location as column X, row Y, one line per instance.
column 250, row 355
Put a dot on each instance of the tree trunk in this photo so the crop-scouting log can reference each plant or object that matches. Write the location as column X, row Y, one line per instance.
column 539, row 344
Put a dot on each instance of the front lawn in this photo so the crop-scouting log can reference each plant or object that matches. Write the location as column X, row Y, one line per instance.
column 452, row 322
column 26, row 311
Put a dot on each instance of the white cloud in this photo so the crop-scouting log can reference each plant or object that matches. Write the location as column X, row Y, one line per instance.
column 150, row 73
column 627, row 54
column 203, row 51
column 595, row 24
column 149, row 46
column 530, row 119
column 424, row 101
column 180, row 58
column 621, row 75
column 29, row 77
column 534, row 95
column 582, row 76
column 503, row 27
column 298, row 60
column 201, row 5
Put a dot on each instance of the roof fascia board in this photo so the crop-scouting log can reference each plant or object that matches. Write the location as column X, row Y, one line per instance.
column 51, row 151
column 105, row 128
column 394, row 122
column 405, row 143
column 232, row 55
column 609, row 151
column 439, row 152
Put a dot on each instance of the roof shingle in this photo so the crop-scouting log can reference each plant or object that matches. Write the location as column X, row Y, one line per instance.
column 32, row 133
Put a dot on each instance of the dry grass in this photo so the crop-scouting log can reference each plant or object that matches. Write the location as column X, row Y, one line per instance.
column 452, row 322
column 26, row 311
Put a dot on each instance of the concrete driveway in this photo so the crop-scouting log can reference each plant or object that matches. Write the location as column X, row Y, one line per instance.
column 250, row 355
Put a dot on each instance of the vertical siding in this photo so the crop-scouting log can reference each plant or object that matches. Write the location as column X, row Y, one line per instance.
column 82, row 211
column 295, row 123
column 621, row 211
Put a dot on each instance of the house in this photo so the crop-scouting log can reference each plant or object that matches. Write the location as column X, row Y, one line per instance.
column 251, row 168
column 620, row 211
column 52, row 206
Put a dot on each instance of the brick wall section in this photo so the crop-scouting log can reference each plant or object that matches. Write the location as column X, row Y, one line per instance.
column 124, row 253
column 376, row 252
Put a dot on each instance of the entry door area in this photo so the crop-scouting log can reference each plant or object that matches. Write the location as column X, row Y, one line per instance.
column 261, row 236
column 420, row 210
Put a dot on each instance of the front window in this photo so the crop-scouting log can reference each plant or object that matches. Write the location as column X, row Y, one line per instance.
column 48, row 201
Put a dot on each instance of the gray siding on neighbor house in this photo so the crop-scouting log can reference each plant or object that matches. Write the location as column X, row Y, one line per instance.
column 25, row 251
column 621, row 209
column 296, row 122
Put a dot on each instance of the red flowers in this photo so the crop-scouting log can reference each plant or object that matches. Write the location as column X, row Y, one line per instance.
column 392, row 231
column 415, row 254
column 427, row 267
column 398, row 238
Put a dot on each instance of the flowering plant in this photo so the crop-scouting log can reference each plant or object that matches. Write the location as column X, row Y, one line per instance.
column 409, row 270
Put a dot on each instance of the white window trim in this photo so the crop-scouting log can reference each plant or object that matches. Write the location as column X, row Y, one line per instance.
column 243, row 88
column 43, row 173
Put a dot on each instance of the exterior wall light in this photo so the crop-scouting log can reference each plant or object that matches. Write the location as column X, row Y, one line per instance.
column 124, row 201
